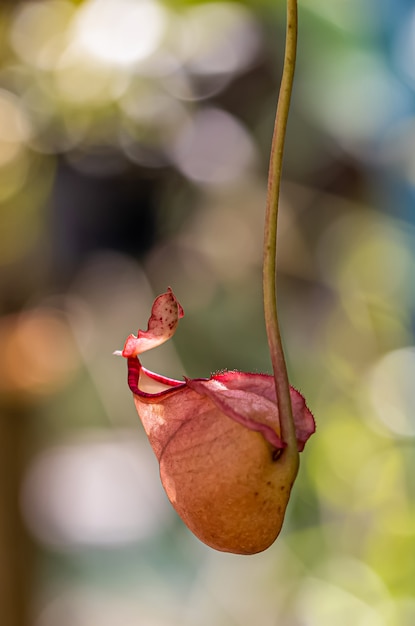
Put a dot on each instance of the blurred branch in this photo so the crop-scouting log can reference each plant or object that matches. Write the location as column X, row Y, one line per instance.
column 15, row 551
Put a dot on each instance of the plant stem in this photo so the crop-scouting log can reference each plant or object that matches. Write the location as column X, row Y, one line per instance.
column 270, row 235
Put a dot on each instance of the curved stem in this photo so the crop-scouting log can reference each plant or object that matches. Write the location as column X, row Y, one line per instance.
column 270, row 235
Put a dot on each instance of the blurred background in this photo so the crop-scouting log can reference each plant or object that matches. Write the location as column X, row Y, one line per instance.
column 134, row 143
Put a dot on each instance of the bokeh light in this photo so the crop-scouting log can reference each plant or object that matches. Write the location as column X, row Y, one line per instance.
column 117, row 501
column 134, row 29
column 213, row 148
column 392, row 393
column 39, row 352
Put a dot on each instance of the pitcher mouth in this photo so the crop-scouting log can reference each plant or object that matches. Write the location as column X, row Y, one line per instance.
column 149, row 385
column 247, row 398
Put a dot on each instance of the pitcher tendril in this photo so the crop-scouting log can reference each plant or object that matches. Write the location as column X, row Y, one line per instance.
column 270, row 234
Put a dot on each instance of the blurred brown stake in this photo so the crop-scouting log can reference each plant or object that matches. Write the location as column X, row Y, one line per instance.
column 15, row 546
